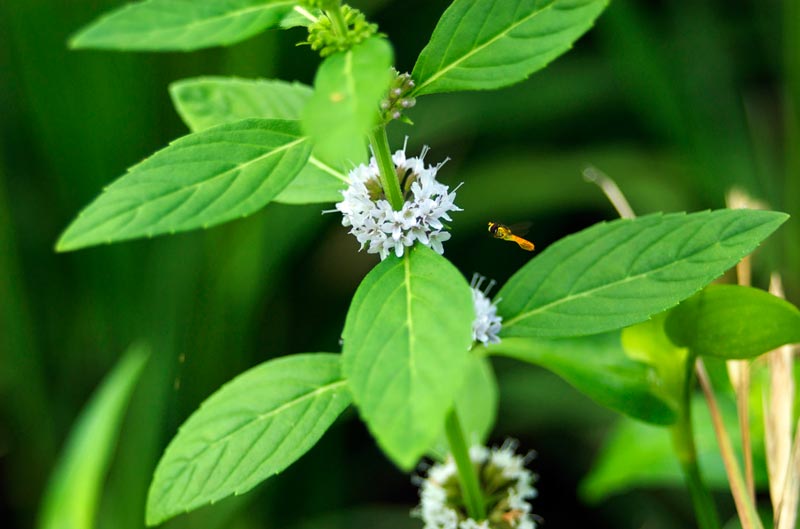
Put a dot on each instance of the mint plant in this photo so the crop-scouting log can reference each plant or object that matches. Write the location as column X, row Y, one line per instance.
column 602, row 307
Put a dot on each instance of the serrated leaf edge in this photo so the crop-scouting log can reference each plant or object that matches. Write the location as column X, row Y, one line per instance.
column 165, row 513
column 64, row 241
column 450, row 66
column 75, row 41
column 509, row 323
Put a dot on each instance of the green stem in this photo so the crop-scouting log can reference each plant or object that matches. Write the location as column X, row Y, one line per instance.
column 470, row 487
column 338, row 20
column 388, row 173
column 683, row 444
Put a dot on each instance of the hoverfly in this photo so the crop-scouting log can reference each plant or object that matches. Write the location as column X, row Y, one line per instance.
column 501, row 231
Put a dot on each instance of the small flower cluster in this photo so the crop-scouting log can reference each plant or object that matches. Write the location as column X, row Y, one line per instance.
column 398, row 99
column 487, row 324
column 383, row 230
column 323, row 37
column 505, row 484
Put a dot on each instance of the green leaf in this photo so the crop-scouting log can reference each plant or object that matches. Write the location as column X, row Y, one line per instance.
column 71, row 498
column 622, row 272
column 406, row 350
column 199, row 180
column 641, row 455
column 182, row 25
column 294, row 19
column 476, row 404
column 348, row 89
column 647, row 342
column 598, row 367
column 476, row 401
column 250, row 429
column 486, row 44
column 733, row 322
column 204, row 102
column 634, row 455
column 316, row 183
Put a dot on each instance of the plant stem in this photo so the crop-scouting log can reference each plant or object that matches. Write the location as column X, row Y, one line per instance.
column 338, row 20
column 704, row 508
column 470, row 487
column 683, row 444
column 388, row 174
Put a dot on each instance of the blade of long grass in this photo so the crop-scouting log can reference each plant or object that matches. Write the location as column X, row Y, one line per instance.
column 73, row 493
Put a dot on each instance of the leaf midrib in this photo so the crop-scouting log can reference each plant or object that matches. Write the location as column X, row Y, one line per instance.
column 217, row 18
column 264, row 416
column 328, row 169
column 350, row 81
column 412, row 367
column 193, row 187
column 552, row 304
column 192, row 465
column 477, row 49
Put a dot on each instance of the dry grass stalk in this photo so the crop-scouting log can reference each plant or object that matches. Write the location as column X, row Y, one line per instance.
column 611, row 190
column 739, row 374
column 739, row 370
column 778, row 418
column 786, row 513
column 745, row 507
column 742, row 389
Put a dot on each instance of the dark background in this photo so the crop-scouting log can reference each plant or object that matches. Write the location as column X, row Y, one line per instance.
column 677, row 101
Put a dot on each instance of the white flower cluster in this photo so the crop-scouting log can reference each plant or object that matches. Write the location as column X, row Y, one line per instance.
column 383, row 230
column 510, row 510
column 487, row 324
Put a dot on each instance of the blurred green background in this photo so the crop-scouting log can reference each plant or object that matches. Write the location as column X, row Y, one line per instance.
column 677, row 101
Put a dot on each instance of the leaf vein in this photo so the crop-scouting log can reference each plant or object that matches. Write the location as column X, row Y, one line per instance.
column 481, row 47
column 139, row 205
column 614, row 284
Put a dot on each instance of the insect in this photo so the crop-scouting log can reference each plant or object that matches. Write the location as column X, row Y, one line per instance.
column 501, row 231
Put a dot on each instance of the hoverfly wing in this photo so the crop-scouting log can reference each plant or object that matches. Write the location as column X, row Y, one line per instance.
column 520, row 228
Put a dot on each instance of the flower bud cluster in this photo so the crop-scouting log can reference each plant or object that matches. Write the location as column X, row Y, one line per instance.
column 505, row 483
column 398, row 99
column 327, row 40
